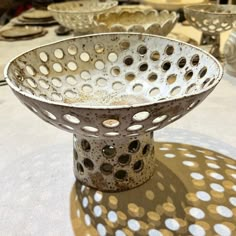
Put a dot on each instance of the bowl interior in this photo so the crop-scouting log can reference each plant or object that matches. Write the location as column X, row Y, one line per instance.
column 113, row 70
column 128, row 18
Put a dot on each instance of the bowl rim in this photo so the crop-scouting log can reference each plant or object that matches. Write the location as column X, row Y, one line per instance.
column 192, row 8
column 111, row 107
column 51, row 8
column 173, row 18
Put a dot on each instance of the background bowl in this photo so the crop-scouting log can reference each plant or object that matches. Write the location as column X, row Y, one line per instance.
column 146, row 20
column 211, row 19
column 79, row 15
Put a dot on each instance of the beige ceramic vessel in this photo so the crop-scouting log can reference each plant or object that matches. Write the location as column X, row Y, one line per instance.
column 112, row 91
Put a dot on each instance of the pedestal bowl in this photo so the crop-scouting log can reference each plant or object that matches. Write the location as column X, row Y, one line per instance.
column 112, row 91
column 211, row 20
column 79, row 15
column 130, row 19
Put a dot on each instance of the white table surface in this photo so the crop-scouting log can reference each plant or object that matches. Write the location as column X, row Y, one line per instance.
column 36, row 175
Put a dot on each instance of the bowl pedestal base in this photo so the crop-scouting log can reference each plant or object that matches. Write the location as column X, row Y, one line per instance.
column 114, row 164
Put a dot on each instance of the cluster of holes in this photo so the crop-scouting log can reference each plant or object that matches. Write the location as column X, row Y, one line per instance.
column 212, row 25
column 73, row 120
column 112, row 57
column 109, row 152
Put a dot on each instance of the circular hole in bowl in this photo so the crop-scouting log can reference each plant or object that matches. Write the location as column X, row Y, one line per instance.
column 59, row 53
column 84, row 56
column 30, row 70
column 88, row 164
column 152, row 128
column 80, row 168
column 155, row 56
column 44, row 84
column 159, row 119
column 72, row 50
column 112, row 57
column 85, row 145
column 134, row 146
column 154, row 92
column 142, row 49
column 166, row 66
column 138, row 166
column 99, row 48
column 129, row 76
column 56, row 82
column 44, row 70
column 90, row 129
column 49, row 115
column 109, row 151
column 137, row 88
column 121, row 175
column 152, row 77
column 115, row 71
column 141, row 116
column 124, row 45
column 146, row 149
column 106, row 168
column 101, row 82
column 124, row 159
column 57, row 67
column 143, row 67
column 134, row 127
column 175, row 91
column 195, row 60
column 169, row 50
column 202, row 72
column 111, row 134
column 128, row 60
column 71, row 80
column 31, row 82
column 117, row 86
column 70, row 94
column 191, row 89
column 72, row 65
column 171, row 79
column 85, row 75
column 188, row 75
column 71, row 119
column 99, row 65
column 182, row 62
column 43, row 56
column 111, row 123
column 56, row 97
column 87, row 88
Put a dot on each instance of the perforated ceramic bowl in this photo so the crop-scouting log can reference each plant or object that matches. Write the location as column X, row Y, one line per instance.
column 211, row 19
column 111, row 91
column 146, row 20
column 79, row 15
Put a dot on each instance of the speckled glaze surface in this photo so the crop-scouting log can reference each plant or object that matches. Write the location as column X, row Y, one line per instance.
column 79, row 15
column 112, row 91
column 146, row 20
